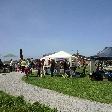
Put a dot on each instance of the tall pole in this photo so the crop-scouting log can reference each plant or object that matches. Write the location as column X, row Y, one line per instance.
column 21, row 54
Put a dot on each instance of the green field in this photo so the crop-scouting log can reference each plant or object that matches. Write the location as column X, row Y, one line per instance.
column 100, row 91
column 17, row 104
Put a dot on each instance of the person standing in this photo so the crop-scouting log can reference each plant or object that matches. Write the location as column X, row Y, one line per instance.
column 84, row 70
column 52, row 67
column 39, row 67
column 1, row 65
column 11, row 65
column 65, row 66
column 58, row 67
column 44, row 69
column 23, row 64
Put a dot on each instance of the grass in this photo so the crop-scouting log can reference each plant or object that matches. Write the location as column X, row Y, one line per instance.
column 100, row 91
column 17, row 104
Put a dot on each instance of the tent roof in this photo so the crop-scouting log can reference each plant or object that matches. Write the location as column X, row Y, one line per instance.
column 106, row 53
column 60, row 54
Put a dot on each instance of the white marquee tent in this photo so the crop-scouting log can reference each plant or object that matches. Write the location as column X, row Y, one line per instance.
column 60, row 54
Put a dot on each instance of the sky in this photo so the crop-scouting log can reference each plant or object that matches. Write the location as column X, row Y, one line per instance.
column 44, row 26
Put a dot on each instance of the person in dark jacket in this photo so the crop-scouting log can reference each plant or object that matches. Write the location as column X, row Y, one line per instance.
column 65, row 66
column 1, row 65
column 39, row 65
column 52, row 67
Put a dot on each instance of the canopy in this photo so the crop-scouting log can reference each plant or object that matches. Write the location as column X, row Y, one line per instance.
column 105, row 54
column 60, row 54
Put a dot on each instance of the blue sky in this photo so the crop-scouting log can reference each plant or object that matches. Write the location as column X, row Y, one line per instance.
column 43, row 26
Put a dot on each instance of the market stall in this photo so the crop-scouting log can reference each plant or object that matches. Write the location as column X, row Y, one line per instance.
column 61, row 55
column 102, row 61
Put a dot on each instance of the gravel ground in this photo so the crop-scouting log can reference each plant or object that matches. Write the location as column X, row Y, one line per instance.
column 11, row 83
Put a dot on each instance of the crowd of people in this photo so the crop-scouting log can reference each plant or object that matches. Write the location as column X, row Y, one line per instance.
column 41, row 66
column 27, row 65
column 53, row 67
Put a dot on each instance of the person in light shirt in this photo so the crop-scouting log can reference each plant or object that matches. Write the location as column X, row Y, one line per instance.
column 23, row 64
column 11, row 65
